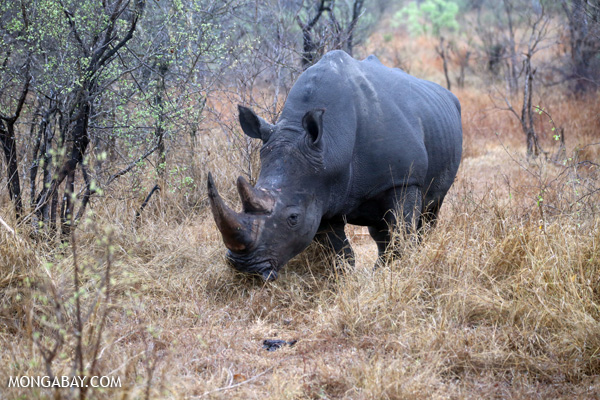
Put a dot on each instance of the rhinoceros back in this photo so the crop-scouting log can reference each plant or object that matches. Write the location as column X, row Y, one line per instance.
column 383, row 128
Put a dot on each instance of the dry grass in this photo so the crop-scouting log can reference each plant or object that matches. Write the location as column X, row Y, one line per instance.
column 501, row 300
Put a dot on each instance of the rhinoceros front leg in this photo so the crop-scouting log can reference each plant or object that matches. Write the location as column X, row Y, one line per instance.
column 406, row 201
column 333, row 237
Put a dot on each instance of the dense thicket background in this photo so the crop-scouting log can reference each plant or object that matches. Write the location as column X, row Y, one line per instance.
column 112, row 113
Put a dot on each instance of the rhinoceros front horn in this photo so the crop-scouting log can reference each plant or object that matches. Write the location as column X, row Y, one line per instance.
column 255, row 201
column 237, row 230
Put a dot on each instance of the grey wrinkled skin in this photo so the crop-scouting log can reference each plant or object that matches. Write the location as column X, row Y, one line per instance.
column 356, row 142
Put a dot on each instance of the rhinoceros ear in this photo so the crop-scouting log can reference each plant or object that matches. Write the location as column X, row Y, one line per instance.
column 253, row 125
column 312, row 122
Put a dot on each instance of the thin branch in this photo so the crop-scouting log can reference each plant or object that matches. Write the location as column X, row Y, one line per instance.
column 4, row 224
column 20, row 102
column 86, row 196
column 319, row 13
column 145, row 203
column 139, row 8
column 78, row 361
column 131, row 166
column 69, row 16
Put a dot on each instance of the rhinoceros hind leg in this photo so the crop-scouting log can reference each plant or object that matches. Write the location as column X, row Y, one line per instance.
column 430, row 213
column 381, row 236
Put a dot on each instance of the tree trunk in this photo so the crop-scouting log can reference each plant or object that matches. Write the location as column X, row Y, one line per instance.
column 441, row 50
column 41, row 154
column 42, row 208
column 7, row 139
column 464, row 64
column 356, row 10
column 512, row 75
column 9, row 147
column 308, row 45
column 160, row 129
column 584, row 30
column 80, row 143
column 533, row 147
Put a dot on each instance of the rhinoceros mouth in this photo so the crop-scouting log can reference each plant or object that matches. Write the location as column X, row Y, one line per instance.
column 267, row 269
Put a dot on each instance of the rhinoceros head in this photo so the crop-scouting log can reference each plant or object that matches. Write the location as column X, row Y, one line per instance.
column 282, row 213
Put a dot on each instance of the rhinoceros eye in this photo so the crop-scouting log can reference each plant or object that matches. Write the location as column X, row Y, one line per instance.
column 293, row 219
